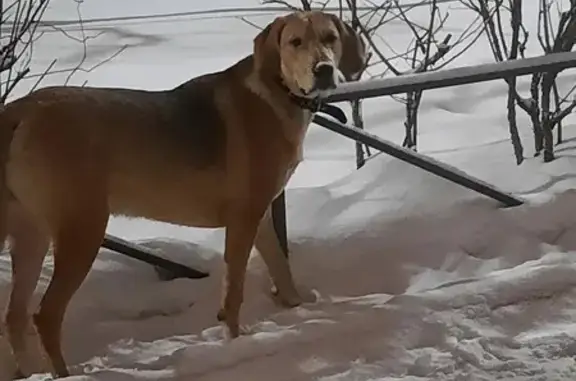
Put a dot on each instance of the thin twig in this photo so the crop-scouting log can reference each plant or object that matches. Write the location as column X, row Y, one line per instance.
column 43, row 75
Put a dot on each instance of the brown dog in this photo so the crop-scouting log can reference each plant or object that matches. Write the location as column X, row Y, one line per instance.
column 212, row 152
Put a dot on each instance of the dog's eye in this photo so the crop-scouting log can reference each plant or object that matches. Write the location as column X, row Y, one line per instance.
column 296, row 42
column 329, row 39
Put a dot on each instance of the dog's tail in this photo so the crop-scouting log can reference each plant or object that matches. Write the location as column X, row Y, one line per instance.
column 7, row 128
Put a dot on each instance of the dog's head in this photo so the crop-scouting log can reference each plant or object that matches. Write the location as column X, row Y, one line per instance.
column 310, row 51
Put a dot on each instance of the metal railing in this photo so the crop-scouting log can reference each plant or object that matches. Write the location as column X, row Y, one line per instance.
column 377, row 88
column 425, row 81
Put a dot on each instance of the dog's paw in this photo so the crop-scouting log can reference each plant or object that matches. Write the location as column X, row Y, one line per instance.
column 283, row 301
column 309, row 296
column 228, row 335
column 244, row 330
column 293, row 300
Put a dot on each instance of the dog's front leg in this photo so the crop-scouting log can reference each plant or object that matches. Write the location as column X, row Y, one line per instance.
column 277, row 262
column 240, row 233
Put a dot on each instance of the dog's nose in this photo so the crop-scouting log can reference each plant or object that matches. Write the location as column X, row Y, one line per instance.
column 324, row 74
column 324, row 71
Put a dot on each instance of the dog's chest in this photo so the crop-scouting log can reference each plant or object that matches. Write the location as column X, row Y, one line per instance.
column 296, row 143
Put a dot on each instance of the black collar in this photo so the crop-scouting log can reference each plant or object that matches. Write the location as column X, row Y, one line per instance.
column 311, row 104
column 315, row 105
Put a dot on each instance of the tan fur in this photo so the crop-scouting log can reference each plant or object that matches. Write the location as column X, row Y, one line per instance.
column 213, row 152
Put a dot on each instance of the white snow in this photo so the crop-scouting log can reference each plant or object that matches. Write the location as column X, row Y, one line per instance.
column 416, row 278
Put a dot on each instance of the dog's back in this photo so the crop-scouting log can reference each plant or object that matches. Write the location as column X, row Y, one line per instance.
column 150, row 148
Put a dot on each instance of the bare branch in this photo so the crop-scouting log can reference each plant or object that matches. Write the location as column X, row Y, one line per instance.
column 43, row 75
column 252, row 24
column 19, row 77
column 377, row 51
column 559, row 115
column 18, row 37
column 442, row 49
column 281, row 2
column 83, row 41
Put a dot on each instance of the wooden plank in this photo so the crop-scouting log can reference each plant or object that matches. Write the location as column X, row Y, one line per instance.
column 451, row 77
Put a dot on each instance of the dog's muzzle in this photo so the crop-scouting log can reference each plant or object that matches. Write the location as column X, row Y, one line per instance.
column 324, row 76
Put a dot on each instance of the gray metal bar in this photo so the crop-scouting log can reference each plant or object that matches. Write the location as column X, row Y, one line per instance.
column 419, row 160
column 451, row 77
column 279, row 221
column 169, row 269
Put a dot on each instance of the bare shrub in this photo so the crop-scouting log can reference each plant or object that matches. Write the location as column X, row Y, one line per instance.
column 21, row 28
column 500, row 17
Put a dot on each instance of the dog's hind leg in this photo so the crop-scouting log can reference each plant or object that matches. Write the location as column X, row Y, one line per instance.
column 77, row 225
column 77, row 240
column 29, row 247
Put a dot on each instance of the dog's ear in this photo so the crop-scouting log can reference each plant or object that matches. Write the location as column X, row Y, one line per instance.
column 354, row 55
column 267, row 47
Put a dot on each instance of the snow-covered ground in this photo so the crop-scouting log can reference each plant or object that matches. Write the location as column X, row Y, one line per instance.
column 416, row 278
